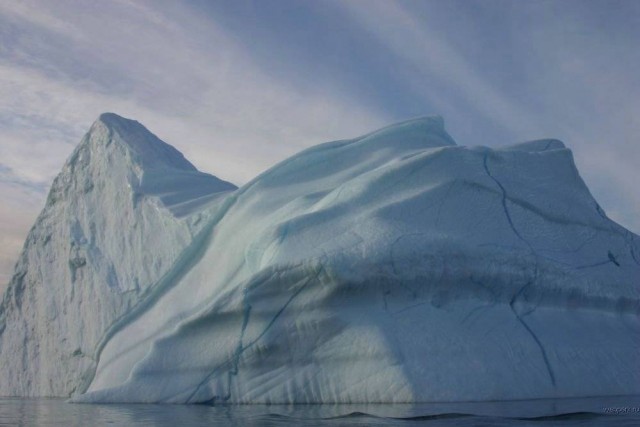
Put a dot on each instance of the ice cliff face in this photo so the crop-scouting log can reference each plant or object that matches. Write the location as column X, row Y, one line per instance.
column 118, row 215
column 395, row 267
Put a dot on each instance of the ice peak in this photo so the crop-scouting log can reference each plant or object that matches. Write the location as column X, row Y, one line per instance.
column 432, row 122
column 146, row 148
column 537, row 145
column 114, row 120
column 425, row 131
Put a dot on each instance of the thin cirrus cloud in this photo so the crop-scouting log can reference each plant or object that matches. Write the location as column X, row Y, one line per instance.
column 62, row 64
column 239, row 86
column 436, row 69
column 502, row 72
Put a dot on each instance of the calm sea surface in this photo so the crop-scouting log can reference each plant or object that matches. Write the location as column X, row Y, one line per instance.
column 607, row 411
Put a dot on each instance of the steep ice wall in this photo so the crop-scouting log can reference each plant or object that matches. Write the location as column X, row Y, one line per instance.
column 395, row 267
column 122, row 209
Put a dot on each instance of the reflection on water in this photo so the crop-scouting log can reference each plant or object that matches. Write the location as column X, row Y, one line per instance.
column 604, row 411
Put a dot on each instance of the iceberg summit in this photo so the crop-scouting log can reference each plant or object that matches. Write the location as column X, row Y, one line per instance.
column 394, row 267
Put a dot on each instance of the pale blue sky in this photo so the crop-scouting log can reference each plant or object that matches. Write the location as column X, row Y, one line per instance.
column 239, row 85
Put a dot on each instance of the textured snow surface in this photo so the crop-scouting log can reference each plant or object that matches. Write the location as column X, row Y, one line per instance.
column 117, row 217
column 395, row 267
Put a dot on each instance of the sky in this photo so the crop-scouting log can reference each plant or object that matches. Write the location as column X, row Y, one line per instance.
column 239, row 85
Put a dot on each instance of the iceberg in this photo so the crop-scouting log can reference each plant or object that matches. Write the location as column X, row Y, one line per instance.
column 394, row 267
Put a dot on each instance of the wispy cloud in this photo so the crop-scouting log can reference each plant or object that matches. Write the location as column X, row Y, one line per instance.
column 556, row 70
column 435, row 67
column 235, row 101
column 178, row 73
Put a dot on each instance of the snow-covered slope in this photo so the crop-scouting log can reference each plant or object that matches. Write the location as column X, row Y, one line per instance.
column 118, row 215
column 395, row 267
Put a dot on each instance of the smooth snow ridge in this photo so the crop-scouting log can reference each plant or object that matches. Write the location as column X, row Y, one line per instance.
column 395, row 267
column 119, row 214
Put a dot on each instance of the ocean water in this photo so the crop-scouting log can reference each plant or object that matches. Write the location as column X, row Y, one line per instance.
column 600, row 411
